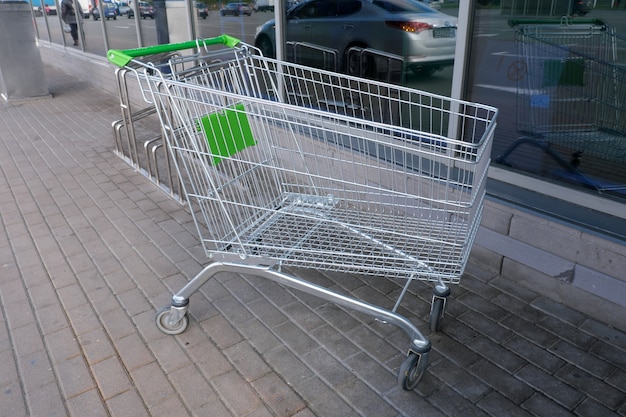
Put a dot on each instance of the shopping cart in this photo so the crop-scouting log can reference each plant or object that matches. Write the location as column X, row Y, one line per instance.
column 573, row 91
column 290, row 166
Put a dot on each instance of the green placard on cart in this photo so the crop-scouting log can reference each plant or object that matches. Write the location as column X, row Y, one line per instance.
column 227, row 132
column 568, row 72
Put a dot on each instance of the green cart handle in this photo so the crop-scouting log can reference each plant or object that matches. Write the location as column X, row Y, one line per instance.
column 588, row 21
column 121, row 58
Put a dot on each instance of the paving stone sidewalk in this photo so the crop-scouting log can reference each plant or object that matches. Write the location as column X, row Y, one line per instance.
column 90, row 250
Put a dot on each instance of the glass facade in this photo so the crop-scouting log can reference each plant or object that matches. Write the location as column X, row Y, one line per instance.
column 559, row 83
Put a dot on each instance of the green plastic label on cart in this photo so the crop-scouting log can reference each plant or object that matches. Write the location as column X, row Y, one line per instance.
column 227, row 132
column 568, row 72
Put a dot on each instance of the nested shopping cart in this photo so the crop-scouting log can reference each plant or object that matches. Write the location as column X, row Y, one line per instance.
column 289, row 166
column 572, row 91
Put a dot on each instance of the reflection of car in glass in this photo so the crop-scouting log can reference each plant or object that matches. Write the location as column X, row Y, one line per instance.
column 145, row 10
column 202, row 10
column 423, row 36
column 123, row 8
column 435, row 4
column 108, row 13
column 582, row 7
column 236, row 9
column 86, row 6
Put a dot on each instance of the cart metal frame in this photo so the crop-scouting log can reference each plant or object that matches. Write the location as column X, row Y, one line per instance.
column 289, row 166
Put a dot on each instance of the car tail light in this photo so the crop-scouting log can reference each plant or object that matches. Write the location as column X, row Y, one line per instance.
column 409, row 26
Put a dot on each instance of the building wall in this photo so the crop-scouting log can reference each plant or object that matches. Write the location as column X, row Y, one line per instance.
column 567, row 264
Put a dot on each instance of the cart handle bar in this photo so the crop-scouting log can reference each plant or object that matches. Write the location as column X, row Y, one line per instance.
column 564, row 22
column 121, row 58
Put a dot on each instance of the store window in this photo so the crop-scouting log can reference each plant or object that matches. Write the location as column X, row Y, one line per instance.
column 557, row 72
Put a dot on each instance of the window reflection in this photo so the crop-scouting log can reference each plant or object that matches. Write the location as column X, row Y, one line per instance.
column 560, row 86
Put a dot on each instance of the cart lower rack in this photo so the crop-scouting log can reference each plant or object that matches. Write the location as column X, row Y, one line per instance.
column 289, row 166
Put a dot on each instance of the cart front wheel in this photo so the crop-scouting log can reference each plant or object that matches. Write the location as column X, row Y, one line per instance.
column 412, row 370
column 162, row 322
column 436, row 313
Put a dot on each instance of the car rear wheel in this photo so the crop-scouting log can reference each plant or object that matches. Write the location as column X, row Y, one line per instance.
column 266, row 47
column 424, row 71
column 360, row 66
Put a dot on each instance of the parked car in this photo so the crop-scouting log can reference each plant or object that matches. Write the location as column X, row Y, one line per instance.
column 236, row 9
column 123, row 8
column 435, row 4
column 108, row 12
column 202, row 10
column 582, row 7
column 145, row 10
column 86, row 6
column 424, row 37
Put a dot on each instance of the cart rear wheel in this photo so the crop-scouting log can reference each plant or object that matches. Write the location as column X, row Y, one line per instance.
column 412, row 370
column 436, row 313
column 162, row 322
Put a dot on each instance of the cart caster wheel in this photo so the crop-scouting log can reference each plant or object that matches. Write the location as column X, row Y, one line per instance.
column 412, row 370
column 436, row 313
column 163, row 324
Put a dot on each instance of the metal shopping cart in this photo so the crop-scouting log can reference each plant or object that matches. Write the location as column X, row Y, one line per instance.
column 289, row 166
column 572, row 93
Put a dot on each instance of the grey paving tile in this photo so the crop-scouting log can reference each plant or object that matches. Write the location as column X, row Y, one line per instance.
column 128, row 403
column 590, row 407
column 35, row 370
column 363, row 400
column 452, row 403
column 278, row 395
column 529, row 331
column 323, row 400
column 62, row 345
column 377, row 376
column 535, row 354
column 567, row 332
column 504, row 383
column 496, row 404
column 581, row 359
column 486, row 326
column 462, row 381
column 247, row 361
column 550, row 386
column 290, row 367
column 605, row 333
column 593, row 387
column 542, row 406
column 13, row 400
column 133, row 351
column 96, row 346
column 335, row 341
column 497, row 354
column 45, row 400
column 192, row 387
column 169, row 354
column 152, row 384
column 87, row 403
column 74, row 376
column 559, row 311
column 172, row 406
column 236, row 393
column 221, row 332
